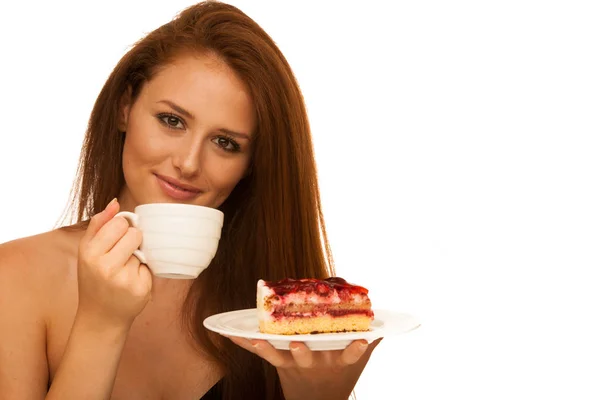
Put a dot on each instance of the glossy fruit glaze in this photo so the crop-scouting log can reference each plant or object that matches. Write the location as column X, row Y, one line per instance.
column 323, row 287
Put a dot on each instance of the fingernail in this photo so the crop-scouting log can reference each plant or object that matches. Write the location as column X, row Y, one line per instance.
column 111, row 202
column 363, row 345
column 255, row 345
column 294, row 349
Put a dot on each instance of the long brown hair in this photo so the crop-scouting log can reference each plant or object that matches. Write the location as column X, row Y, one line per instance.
column 274, row 225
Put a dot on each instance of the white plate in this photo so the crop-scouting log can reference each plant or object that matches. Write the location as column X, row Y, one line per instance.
column 244, row 323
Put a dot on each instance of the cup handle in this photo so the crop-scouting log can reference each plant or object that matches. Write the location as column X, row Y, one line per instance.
column 133, row 220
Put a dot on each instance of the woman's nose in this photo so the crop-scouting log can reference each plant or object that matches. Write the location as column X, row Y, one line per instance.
column 188, row 157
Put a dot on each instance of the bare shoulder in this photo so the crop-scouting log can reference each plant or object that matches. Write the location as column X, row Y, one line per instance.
column 40, row 259
column 35, row 269
column 33, row 272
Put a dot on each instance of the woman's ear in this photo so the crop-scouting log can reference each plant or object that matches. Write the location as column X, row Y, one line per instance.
column 124, row 109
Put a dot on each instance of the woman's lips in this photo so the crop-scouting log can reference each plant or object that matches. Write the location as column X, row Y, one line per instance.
column 171, row 189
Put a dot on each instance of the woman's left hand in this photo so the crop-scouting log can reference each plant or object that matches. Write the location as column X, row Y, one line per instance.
column 306, row 374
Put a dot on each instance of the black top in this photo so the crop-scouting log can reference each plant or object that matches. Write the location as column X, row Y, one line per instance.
column 215, row 392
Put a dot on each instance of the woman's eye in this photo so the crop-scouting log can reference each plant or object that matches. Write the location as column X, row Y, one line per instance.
column 171, row 121
column 226, row 144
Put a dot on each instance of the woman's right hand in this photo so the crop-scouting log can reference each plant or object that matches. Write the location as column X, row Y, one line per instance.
column 113, row 286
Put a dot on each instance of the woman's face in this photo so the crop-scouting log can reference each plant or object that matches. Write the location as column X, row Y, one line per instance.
column 187, row 136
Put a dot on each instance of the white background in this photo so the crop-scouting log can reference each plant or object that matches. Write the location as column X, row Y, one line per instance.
column 458, row 152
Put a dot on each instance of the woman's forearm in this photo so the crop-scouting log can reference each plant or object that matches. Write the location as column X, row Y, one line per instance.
column 89, row 364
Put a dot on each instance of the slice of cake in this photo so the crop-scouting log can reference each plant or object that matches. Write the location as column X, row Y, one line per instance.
column 302, row 306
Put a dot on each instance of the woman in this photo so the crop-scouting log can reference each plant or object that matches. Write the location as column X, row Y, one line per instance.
column 205, row 110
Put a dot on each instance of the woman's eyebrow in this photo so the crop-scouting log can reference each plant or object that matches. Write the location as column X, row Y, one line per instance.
column 239, row 135
column 178, row 108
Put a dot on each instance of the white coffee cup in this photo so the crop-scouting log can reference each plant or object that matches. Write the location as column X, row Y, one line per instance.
column 178, row 240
